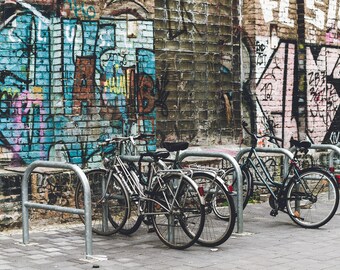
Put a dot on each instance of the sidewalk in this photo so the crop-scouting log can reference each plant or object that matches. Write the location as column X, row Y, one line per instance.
column 268, row 243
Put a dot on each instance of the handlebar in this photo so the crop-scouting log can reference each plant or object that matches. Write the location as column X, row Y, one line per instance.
column 255, row 136
column 120, row 139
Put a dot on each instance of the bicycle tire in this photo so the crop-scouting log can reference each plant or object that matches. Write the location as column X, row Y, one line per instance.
column 220, row 214
column 109, row 213
column 133, row 221
column 316, row 206
column 181, row 225
column 247, row 186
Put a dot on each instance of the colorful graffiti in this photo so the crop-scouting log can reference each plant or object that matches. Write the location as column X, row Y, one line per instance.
column 66, row 83
column 277, row 92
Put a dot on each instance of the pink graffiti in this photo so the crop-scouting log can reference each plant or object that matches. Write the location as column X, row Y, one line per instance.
column 275, row 91
column 24, row 106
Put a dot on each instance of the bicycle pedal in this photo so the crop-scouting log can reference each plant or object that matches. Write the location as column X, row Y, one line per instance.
column 274, row 213
column 151, row 230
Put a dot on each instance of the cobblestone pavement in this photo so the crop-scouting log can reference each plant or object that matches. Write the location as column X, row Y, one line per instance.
column 268, row 243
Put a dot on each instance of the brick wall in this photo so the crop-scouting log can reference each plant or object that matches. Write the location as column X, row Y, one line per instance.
column 294, row 51
column 197, row 62
column 10, row 200
column 74, row 73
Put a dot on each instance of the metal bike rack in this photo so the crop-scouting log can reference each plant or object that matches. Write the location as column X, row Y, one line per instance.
column 331, row 155
column 239, row 207
column 87, row 201
column 287, row 153
column 334, row 148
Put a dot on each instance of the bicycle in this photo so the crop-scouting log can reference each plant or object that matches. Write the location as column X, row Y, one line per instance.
column 220, row 214
column 169, row 199
column 109, row 198
column 309, row 196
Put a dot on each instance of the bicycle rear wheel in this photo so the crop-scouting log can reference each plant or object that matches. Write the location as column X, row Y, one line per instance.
column 177, row 211
column 312, row 198
column 220, row 214
column 109, row 211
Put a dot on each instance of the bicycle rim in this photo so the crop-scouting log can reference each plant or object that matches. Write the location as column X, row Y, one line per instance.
column 109, row 212
column 220, row 212
column 312, row 199
column 180, row 226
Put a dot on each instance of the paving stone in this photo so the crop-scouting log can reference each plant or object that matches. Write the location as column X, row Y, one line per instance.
column 268, row 243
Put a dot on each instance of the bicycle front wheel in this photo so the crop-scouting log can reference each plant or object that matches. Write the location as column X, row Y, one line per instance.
column 312, row 198
column 220, row 214
column 177, row 211
column 109, row 202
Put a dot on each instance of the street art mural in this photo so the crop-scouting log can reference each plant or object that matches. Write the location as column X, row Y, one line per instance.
column 70, row 78
column 276, row 90
column 282, row 104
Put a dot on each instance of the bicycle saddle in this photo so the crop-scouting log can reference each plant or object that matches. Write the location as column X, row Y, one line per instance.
column 175, row 146
column 300, row 144
column 155, row 155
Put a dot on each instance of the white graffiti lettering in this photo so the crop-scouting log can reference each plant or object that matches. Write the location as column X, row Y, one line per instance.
column 267, row 8
column 318, row 19
column 335, row 137
column 284, row 13
column 318, row 12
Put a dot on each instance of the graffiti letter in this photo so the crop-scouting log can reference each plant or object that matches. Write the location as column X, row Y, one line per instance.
column 284, row 11
column 146, row 96
column 319, row 18
column 267, row 9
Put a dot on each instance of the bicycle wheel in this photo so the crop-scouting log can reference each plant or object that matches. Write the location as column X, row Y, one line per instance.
column 109, row 211
column 177, row 211
column 312, row 198
column 229, row 178
column 220, row 214
column 133, row 221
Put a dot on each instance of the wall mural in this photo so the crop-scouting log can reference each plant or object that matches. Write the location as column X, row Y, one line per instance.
column 276, row 90
column 68, row 82
column 276, row 70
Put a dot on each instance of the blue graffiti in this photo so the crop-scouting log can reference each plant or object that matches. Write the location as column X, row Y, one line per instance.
column 40, row 87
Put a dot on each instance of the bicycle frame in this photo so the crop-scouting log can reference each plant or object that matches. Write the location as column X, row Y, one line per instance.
column 135, row 183
column 264, row 176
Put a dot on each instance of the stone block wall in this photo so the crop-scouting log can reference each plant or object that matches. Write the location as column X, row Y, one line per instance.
column 197, row 63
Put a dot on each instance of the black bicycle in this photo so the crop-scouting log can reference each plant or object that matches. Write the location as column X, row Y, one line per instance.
column 309, row 196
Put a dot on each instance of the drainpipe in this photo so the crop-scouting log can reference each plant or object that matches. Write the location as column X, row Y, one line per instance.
column 300, row 95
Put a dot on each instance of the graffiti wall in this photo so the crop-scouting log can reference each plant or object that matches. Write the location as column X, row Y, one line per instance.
column 287, row 101
column 73, row 73
column 197, row 62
